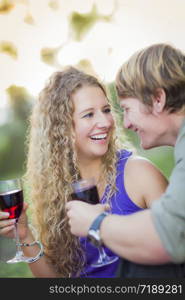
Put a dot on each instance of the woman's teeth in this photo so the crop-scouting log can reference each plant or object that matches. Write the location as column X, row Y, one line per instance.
column 99, row 137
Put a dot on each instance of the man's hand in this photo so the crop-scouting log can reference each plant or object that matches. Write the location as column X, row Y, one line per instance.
column 81, row 215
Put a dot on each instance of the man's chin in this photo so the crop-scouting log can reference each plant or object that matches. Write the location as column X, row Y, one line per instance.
column 145, row 146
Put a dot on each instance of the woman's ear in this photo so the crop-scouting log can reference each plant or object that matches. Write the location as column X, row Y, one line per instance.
column 73, row 131
column 159, row 101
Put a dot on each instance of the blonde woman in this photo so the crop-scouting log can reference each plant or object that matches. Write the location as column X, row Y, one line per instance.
column 72, row 136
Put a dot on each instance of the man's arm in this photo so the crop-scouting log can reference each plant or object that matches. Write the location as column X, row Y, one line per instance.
column 134, row 238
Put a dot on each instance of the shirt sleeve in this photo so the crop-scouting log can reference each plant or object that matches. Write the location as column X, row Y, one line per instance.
column 168, row 212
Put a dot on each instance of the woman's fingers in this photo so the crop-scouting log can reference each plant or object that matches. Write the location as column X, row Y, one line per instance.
column 25, row 206
column 6, row 226
column 7, row 229
column 4, row 215
column 8, row 222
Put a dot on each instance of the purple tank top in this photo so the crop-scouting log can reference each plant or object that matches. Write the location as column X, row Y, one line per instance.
column 121, row 205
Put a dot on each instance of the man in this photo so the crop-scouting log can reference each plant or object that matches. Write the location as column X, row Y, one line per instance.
column 151, row 88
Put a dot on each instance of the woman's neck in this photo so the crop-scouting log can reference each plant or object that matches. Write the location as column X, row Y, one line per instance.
column 93, row 169
column 90, row 169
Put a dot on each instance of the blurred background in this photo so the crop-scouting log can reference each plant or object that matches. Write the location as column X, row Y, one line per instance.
column 39, row 37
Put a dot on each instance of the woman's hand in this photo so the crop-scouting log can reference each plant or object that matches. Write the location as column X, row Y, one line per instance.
column 7, row 226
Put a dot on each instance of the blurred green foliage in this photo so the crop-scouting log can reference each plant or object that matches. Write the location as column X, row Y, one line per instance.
column 49, row 56
column 18, row 270
column 54, row 4
column 13, row 133
column 6, row 6
column 9, row 49
column 80, row 24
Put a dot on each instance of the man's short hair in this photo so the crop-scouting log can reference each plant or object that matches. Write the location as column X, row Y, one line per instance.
column 157, row 66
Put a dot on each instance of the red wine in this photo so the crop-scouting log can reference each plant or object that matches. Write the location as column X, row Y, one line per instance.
column 89, row 195
column 12, row 202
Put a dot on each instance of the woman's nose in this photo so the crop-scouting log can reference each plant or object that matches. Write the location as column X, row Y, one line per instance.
column 104, row 120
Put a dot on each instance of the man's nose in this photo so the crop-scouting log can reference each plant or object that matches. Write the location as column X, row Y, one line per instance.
column 126, row 123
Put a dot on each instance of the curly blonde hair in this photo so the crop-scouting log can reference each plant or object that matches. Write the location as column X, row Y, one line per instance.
column 52, row 167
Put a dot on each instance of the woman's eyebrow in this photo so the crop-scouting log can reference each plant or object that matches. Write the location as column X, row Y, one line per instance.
column 85, row 110
column 92, row 108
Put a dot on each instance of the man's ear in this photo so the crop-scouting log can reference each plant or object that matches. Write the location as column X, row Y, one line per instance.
column 159, row 101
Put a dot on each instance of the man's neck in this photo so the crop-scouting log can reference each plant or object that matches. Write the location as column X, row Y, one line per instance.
column 177, row 120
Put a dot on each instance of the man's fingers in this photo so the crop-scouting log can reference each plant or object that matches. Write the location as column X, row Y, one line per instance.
column 70, row 204
column 107, row 207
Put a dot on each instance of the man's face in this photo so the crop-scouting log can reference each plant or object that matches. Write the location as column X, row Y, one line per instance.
column 150, row 126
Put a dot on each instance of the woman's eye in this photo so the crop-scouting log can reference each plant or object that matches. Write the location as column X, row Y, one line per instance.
column 107, row 110
column 89, row 115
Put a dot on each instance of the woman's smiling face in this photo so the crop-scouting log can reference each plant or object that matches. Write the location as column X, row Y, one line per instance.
column 93, row 122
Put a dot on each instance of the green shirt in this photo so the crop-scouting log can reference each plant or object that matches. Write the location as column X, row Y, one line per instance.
column 169, row 211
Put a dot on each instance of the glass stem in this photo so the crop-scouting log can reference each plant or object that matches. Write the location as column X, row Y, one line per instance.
column 18, row 247
column 102, row 253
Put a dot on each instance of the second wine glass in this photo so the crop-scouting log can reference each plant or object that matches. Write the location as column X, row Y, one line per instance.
column 86, row 190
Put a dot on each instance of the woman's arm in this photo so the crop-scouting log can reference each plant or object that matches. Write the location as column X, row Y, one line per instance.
column 40, row 268
column 144, row 182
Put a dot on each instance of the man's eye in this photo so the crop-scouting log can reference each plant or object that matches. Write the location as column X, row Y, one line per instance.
column 89, row 115
column 124, row 109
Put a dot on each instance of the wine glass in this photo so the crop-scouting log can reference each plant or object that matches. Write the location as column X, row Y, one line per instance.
column 85, row 190
column 11, row 200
